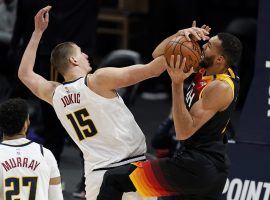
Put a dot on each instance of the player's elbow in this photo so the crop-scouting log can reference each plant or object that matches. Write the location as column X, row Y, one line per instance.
column 184, row 134
column 21, row 74
column 24, row 76
column 155, row 54
column 183, row 137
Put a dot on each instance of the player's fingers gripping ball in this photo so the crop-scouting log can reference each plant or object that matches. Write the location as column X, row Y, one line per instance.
column 189, row 49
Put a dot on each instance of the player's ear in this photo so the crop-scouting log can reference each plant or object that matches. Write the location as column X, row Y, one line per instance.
column 28, row 120
column 26, row 125
column 220, row 60
column 73, row 60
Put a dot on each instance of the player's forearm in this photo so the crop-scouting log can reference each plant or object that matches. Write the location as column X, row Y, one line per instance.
column 114, row 78
column 156, row 67
column 159, row 50
column 183, row 121
column 137, row 73
column 29, row 56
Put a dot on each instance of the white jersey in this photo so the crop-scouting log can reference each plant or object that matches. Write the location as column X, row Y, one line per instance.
column 25, row 170
column 104, row 129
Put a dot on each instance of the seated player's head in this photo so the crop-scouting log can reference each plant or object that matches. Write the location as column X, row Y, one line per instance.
column 14, row 117
column 223, row 50
column 68, row 56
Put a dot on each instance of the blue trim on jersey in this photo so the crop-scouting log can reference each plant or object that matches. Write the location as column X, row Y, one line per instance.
column 18, row 145
column 67, row 82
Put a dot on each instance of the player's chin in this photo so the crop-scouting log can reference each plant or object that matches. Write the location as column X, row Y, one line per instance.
column 89, row 69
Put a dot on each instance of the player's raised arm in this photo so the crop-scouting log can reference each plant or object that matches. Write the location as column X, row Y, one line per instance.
column 41, row 87
column 193, row 32
column 111, row 78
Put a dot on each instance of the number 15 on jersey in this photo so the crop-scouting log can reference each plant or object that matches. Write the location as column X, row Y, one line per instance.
column 82, row 124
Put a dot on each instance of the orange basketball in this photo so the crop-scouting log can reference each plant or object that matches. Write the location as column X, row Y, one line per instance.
column 189, row 49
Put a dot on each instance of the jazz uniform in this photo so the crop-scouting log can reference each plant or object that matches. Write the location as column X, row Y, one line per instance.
column 200, row 167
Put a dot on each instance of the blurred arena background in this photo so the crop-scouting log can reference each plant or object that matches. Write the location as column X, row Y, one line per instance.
column 124, row 32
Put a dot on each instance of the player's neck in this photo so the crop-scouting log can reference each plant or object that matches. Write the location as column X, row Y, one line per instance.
column 215, row 70
column 17, row 136
column 73, row 76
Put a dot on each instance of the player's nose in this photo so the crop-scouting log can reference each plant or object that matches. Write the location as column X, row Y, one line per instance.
column 85, row 55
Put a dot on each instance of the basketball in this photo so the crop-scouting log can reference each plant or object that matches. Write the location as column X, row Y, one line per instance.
column 189, row 49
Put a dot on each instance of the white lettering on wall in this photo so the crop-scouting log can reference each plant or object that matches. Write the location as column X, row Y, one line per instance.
column 238, row 189
column 254, row 191
column 267, row 64
column 267, row 191
column 235, row 188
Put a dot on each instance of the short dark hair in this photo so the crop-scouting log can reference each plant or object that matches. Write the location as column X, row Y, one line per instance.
column 13, row 114
column 60, row 56
column 231, row 48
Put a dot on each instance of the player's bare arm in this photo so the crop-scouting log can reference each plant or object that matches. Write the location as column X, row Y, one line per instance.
column 41, row 87
column 55, row 180
column 105, row 80
column 194, row 32
column 216, row 97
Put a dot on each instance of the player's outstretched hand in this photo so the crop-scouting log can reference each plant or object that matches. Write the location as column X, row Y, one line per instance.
column 42, row 19
column 175, row 70
column 195, row 32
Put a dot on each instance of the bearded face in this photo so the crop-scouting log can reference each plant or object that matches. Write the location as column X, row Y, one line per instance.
column 211, row 53
column 207, row 61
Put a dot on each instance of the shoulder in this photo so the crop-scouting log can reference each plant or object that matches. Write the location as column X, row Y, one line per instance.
column 48, row 155
column 47, row 152
column 55, row 84
column 96, row 77
column 218, row 94
column 218, row 86
column 101, row 81
column 47, row 91
column 101, row 74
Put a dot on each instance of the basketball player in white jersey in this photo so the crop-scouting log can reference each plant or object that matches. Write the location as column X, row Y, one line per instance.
column 27, row 170
column 88, row 106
